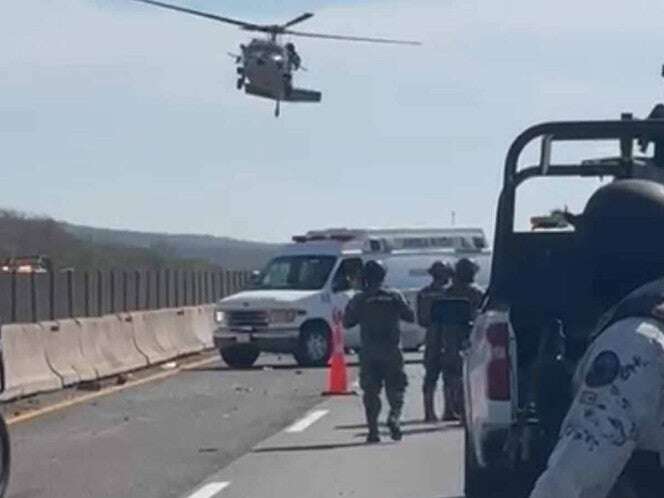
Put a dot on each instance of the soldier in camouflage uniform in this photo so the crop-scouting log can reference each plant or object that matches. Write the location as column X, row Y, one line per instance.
column 463, row 287
column 433, row 344
column 378, row 310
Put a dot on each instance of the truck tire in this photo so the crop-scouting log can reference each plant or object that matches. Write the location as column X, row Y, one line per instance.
column 240, row 355
column 4, row 457
column 479, row 482
column 314, row 345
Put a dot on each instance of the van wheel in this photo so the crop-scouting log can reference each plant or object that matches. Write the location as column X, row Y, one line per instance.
column 314, row 345
column 240, row 356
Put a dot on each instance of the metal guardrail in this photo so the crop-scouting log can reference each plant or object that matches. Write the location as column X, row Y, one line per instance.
column 33, row 297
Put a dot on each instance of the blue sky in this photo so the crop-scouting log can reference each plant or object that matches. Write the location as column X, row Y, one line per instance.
column 122, row 115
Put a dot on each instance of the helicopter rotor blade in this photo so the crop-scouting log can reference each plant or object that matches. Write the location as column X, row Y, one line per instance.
column 214, row 17
column 298, row 19
column 350, row 38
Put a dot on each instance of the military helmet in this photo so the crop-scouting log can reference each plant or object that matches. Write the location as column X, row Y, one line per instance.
column 621, row 230
column 440, row 269
column 465, row 270
column 374, row 272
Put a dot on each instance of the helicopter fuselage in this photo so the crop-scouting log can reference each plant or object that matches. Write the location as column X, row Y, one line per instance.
column 266, row 66
column 267, row 69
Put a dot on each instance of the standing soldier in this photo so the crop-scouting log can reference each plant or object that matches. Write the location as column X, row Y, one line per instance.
column 463, row 287
column 378, row 310
column 613, row 433
column 433, row 344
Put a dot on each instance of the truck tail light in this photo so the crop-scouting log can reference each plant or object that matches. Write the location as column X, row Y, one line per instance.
column 498, row 369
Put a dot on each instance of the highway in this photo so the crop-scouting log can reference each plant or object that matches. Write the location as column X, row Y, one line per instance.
column 209, row 431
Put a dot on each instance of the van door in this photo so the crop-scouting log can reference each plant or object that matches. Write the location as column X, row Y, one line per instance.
column 345, row 283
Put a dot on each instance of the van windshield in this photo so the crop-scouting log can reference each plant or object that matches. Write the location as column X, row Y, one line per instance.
column 297, row 272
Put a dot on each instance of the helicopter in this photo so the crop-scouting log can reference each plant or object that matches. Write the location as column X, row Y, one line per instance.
column 265, row 66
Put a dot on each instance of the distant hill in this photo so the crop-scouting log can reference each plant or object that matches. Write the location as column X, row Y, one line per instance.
column 25, row 235
column 222, row 251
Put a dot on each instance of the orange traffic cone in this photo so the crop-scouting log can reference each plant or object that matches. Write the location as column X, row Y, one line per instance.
column 337, row 380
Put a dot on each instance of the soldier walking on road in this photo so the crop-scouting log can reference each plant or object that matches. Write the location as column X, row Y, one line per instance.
column 433, row 344
column 378, row 310
column 463, row 287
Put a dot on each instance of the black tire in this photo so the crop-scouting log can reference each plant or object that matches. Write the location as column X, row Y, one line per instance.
column 314, row 345
column 240, row 356
column 5, row 454
column 478, row 482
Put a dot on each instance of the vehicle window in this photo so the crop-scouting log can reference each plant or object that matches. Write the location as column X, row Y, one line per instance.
column 348, row 275
column 297, row 272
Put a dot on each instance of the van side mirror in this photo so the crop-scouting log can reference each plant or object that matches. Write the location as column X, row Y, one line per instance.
column 451, row 312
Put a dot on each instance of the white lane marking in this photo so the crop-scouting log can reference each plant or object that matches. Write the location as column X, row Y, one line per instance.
column 308, row 420
column 210, row 489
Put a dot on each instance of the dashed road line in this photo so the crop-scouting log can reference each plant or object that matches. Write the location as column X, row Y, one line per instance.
column 307, row 420
column 210, row 489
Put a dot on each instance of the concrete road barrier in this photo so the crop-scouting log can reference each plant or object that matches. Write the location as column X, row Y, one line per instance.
column 145, row 337
column 25, row 368
column 96, row 347
column 205, row 324
column 161, row 325
column 185, row 336
column 64, row 351
column 108, row 344
column 120, row 332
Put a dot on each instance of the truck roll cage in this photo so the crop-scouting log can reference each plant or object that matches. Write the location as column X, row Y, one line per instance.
column 625, row 131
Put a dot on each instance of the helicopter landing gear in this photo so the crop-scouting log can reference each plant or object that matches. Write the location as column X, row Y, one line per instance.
column 277, row 109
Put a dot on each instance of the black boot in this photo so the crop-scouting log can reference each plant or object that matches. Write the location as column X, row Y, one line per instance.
column 448, row 415
column 371, row 412
column 373, row 436
column 395, row 427
column 429, row 406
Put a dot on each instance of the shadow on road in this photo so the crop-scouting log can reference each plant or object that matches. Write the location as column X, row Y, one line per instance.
column 264, row 367
column 311, row 447
column 281, row 366
column 413, row 432
column 405, row 423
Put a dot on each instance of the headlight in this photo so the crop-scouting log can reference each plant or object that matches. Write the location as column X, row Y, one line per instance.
column 219, row 317
column 282, row 316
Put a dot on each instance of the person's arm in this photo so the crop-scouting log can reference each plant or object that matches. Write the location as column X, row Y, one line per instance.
column 351, row 314
column 422, row 320
column 602, row 428
column 405, row 311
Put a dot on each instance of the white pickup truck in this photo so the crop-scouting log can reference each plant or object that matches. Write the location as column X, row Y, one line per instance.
column 291, row 306
column 532, row 328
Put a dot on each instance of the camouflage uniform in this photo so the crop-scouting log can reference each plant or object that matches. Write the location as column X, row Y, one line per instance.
column 433, row 344
column 378, row 312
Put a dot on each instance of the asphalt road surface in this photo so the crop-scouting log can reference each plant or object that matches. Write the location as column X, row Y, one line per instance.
column 216, row 432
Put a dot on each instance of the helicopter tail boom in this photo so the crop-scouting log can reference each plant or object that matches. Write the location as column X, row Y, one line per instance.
column 295, row 95
column 302, row 95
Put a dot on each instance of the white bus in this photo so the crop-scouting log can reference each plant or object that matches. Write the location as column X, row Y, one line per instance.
column 292, row 305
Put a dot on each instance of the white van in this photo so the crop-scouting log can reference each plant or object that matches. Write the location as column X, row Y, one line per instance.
column 291, row 306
